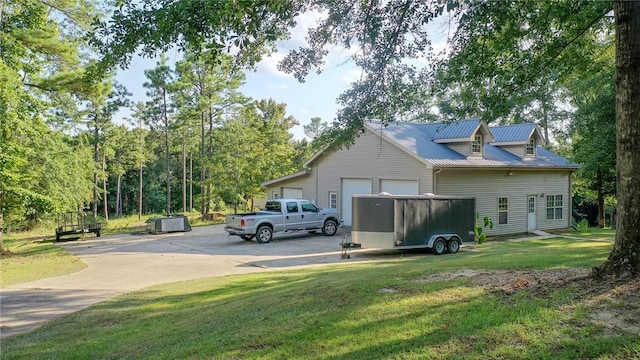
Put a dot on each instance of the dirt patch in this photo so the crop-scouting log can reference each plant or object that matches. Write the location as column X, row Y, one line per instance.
column 612, row 303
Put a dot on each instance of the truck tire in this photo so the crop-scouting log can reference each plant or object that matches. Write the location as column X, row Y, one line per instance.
column 439, row 246
column 329, row 228
column 453, row 245
column 264, row 234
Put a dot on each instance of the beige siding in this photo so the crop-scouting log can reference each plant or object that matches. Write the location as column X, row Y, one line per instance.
column 463, row 148
column 517, row 150
column 369, row 158
column 488, row 185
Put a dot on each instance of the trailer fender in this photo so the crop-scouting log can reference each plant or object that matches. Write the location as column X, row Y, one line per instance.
column 446, row 237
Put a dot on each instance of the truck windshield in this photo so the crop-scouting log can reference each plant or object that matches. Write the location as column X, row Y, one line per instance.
column 273, row 206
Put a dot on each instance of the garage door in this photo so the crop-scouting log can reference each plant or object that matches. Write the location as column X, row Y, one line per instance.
column 349, row 188
column 291, row 193
column 400, row 187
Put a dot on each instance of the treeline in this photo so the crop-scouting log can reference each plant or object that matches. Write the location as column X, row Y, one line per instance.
column 197, row 143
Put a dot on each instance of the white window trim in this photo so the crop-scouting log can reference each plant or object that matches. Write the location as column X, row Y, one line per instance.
column 531, row 145
column 503, row 211
column 554, row 207
column 477, row 140
column 275, row 195
column 333, row 193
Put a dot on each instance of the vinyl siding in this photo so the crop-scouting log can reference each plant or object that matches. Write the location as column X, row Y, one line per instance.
column 371, row 157
column 488, row 185
column 517, row 150
column 463, row 148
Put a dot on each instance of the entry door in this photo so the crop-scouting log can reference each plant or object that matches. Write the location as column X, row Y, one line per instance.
column 531, row 216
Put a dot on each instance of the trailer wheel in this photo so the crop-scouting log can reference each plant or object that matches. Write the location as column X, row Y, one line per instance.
column 454, row 246
column 329, row 228
column 439, row 246
column 246, row 237
column 264, row 234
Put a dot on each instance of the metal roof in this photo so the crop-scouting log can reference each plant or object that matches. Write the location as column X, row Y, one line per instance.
column 513, row 133
column 418, row 140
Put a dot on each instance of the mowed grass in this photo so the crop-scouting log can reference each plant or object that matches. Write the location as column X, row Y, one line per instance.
column 388, row 309
column 28, row 260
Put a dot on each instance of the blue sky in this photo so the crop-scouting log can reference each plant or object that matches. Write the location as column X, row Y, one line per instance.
column 316, row 97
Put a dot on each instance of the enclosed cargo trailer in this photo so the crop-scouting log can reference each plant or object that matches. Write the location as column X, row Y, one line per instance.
column 399, row 222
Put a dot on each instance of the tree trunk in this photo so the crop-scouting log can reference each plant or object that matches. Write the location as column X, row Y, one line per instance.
column 184, row 176
column 601, row 218
column 190, row 181
column 96, row 158
column 166, row 149
column 119, row 196
column 625, row 256
column 140, row 194
column 1, row 223
column 203, row 172
column 105, row 206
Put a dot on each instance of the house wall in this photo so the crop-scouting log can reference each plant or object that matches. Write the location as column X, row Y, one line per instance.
column 463, row 148
column 371, row 157
column 517, row 150
column 488, row 185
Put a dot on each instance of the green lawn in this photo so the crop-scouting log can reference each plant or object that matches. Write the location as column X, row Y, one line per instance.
column 395, row 309
column 28, row 260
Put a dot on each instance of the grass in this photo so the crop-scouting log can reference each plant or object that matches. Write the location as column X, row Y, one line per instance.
column 388, row 309
column 28, row 260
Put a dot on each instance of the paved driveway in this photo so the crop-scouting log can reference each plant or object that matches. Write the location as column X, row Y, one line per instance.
column 122, row 263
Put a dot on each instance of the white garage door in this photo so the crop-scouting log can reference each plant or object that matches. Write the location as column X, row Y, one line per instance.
column 400, row 187
column 291, row 193
column 349, row 188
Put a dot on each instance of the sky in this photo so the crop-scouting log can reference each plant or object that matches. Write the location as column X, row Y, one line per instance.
column 316, row 97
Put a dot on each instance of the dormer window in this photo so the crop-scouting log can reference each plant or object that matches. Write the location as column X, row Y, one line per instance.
column 530, row 148
column 476, row 146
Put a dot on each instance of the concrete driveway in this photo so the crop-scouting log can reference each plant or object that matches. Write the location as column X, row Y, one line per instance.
column 122, row 263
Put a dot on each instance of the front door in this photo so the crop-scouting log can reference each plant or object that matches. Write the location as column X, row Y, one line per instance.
column 531, row 217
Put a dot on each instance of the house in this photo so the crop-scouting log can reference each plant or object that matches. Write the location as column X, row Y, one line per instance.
column 517, row 183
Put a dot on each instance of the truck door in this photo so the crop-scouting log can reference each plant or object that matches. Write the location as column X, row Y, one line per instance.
column 311, row 217
column 292, row 216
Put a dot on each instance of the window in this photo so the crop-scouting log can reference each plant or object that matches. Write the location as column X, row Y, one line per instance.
column 503, row 211
column 292, row 207
column 554, row 207
column 308, row 207
column 333, row 200
column 531, row 147
column 476, row 146
column 275, row 195
column 273, row 206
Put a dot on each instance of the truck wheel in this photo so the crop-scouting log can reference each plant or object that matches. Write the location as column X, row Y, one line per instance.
column 454, row 246
column 329, row 228
column 439, row 246
column 264, row 234
column 246, row 237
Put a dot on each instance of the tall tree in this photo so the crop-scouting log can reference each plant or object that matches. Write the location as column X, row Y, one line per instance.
column 39, row 58
column 625, row 257
column 207, row 89
column 315, row 128
column 159, row 90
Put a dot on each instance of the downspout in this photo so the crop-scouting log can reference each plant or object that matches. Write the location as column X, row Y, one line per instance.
column 435, row 173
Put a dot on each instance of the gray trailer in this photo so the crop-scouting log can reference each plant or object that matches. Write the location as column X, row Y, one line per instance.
column 440, row 223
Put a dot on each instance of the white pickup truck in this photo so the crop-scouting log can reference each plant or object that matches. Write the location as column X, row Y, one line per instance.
column 283, row 215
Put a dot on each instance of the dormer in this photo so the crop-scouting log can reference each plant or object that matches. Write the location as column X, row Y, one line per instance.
column 466, row 137
column 521, row 140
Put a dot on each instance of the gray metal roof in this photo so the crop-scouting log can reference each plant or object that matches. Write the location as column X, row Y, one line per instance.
column 418, row 140
column 513, row 133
